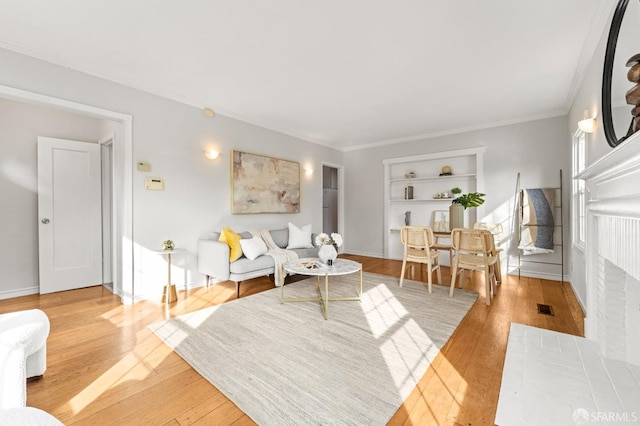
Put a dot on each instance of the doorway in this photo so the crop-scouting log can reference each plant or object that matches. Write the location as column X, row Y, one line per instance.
column 330, row 199
column 106, row 163
column 122, row 218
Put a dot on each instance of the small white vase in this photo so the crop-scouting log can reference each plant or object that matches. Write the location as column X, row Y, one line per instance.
column 327, row 252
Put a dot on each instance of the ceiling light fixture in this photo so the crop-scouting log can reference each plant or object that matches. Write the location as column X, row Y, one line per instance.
column 587, row 124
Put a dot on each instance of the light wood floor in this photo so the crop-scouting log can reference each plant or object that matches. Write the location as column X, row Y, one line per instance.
column 106, row 367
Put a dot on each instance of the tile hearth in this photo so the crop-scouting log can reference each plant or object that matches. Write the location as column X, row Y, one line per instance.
column 559, row 379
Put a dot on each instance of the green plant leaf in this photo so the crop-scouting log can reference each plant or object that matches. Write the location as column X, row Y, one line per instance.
column 472, row 199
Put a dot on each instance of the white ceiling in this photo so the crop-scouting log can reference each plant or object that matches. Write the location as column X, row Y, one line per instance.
column 342, row 73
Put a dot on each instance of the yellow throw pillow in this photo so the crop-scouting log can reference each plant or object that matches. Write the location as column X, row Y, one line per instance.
column 233, row 241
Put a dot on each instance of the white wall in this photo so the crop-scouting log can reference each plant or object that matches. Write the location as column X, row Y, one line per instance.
column 172, row 137
column 536, row 149
column 20, row 126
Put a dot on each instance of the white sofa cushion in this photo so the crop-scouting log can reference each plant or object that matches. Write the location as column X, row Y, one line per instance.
column 299, row 237
column 253, row 247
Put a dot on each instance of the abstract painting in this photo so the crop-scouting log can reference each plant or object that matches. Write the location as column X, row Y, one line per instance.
column 262, row 184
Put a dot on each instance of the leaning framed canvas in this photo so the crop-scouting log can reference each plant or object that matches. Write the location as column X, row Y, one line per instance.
column 440, row 221
column 263, row 184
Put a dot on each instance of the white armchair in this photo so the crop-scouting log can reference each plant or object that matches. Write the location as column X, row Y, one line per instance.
column 23, row 353
column 13, row 381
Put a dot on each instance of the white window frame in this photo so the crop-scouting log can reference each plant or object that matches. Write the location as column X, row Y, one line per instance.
column 579, row 191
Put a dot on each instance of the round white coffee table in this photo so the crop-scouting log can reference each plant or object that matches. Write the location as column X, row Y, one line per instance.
column 314, row 267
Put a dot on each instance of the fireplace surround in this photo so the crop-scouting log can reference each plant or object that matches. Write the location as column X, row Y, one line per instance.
column 613, row 252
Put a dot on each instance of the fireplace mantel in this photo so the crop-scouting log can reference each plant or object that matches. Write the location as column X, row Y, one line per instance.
column 613, row 182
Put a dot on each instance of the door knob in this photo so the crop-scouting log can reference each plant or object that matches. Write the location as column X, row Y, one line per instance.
column 45, row 220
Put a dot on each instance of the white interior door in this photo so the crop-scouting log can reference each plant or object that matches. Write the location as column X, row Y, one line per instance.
column 69, row 214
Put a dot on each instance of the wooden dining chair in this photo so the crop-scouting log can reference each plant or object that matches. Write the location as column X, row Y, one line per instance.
column 496, row 230
column 474, row 250
column 418, row 244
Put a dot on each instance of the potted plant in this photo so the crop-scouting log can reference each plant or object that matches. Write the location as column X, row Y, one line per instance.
column 460, row 204
column 456, row 192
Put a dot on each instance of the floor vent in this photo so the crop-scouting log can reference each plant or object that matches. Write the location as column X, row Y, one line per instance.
column 545, row 309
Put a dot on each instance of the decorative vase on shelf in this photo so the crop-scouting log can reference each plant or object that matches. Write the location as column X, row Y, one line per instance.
column 456, row 216
column 327, row 253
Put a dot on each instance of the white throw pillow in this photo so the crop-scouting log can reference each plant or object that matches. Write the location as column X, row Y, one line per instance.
column 253, row 247
column 299, row 237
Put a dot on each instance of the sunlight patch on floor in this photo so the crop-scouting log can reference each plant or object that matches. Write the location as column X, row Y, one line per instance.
column 375, row 299
column 438, row 398
column 407, row 350
column 138, row 365
column 131, row 367
column 406, row 365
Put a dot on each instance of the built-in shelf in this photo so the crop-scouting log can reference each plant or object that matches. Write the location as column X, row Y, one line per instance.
column 421, row 200
column 434, row 178
column 466, row 166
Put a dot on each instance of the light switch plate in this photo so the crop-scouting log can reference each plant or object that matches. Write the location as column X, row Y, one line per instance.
column 155, row 184
column 143, row 166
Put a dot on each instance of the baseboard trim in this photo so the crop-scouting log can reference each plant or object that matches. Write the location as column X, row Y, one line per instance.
column 19, row 292
column 364, row 253
column 539, row 275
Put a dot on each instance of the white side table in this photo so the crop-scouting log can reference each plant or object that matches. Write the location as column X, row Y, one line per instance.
column 169, row 294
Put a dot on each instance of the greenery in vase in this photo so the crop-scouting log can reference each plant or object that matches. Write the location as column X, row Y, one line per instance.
column 472, row 199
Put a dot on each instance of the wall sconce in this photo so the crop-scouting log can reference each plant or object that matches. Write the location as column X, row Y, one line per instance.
column 308, row 171
column 587, row 124
column 211, row 154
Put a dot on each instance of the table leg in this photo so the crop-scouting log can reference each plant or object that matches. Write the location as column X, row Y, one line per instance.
column 169, row 294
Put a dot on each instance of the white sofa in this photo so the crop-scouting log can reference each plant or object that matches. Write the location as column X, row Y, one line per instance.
column 213, row 258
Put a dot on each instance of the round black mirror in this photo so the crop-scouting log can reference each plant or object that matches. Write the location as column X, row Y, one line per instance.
column 619, row 99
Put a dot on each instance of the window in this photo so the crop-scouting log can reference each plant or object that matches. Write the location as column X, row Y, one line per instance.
column 579, row 206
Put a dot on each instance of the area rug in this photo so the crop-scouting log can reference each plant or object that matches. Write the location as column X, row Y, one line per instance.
column 284, row 364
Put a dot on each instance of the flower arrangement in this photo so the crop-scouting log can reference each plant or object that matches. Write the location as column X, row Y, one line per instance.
column 325, row 240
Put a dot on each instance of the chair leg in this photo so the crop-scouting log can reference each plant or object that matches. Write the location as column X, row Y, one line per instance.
column 237, row 289
column 454, row 270
column 438, row 272
column 487, row 286
column 494, row 280
column 404, row 266
column 429, row 274
column 207, row 280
